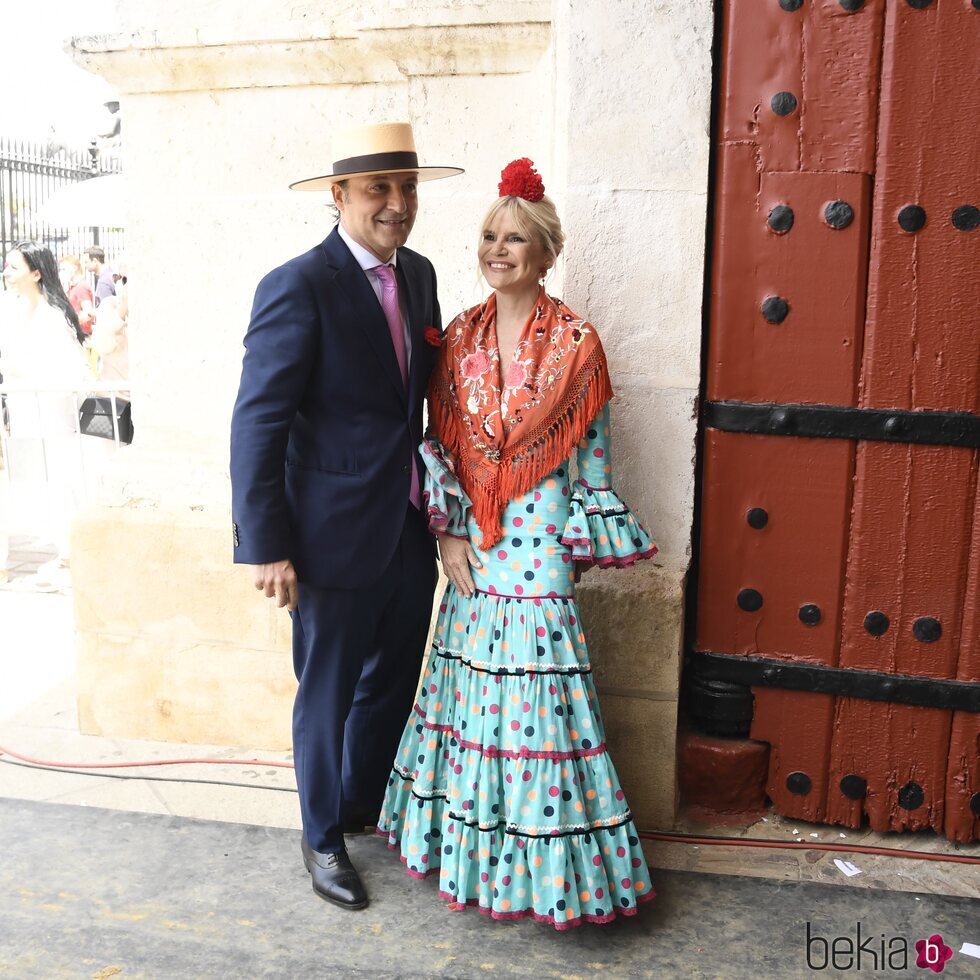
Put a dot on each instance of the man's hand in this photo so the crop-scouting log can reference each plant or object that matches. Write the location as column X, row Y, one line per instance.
column 457, row 556
column 278, row 580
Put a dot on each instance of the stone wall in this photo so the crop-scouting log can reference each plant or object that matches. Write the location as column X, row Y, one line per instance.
column 611, row 100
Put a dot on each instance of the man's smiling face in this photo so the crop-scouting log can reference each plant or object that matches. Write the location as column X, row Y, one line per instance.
column 378, row 211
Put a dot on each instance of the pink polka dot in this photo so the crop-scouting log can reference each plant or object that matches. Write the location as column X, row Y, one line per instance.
column 598, row 453
column 432, row 689
column 541, row 631
column 506, row 880
column 637, row 862
column 626, row 883
column 519, row 589
column 621, row 852
column 458, row 770
column 550, row 529
column 494, row 708
column 526, row 775
column 599, row 893
column 515, row 725
column 518, row 521
column 619, row 794
column 537, row 496
column 484, row 876
column 502, row 555
column 526, row 706
column 553, row 791
column 597, row 860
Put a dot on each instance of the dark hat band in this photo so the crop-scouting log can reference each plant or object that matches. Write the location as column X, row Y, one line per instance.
column 378, row 163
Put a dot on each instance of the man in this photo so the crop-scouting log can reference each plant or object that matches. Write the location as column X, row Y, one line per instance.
column 325, row 484
column 104, row 283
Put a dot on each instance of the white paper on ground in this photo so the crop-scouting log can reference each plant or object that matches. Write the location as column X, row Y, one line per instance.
column 847, row 868
column 970, row 949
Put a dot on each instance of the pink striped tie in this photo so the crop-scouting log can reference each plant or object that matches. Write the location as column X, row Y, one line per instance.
column 389, row 304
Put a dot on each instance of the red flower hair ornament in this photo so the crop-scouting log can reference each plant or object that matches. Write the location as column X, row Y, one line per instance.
column 520, row 179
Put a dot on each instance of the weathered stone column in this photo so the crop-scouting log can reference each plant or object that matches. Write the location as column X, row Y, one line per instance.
column 632, row 133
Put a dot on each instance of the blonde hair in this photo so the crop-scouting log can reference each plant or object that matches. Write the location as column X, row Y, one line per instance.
column 533, row 219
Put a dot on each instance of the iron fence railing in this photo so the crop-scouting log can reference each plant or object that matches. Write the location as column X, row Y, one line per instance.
column 30, row 173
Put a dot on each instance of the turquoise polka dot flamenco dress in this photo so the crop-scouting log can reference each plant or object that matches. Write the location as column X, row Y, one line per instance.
column 502, row 783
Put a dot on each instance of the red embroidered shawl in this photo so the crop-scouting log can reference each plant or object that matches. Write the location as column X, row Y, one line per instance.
column 504, row 441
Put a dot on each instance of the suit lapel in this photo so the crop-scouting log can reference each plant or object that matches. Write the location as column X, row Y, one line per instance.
column 416, row 328
column 365, row 313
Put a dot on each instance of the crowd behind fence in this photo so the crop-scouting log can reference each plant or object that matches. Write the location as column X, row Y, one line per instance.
column 30, row 173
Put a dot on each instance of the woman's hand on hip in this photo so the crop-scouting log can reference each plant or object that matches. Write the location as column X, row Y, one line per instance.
column 457, row 556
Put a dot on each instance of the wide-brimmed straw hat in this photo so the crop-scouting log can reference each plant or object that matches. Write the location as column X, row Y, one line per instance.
column 379, row 148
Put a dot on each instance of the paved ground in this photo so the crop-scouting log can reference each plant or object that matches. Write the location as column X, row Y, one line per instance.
column 86, row 891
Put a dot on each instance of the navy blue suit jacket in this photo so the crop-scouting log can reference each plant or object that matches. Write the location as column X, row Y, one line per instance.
column 323, row 431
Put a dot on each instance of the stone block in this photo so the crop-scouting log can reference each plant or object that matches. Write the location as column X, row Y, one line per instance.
column 146, row 686
column 634, row 631
column 641, row 736
column 722, row 775
column 168, row 574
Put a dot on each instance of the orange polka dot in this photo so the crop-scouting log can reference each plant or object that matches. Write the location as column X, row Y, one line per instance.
column 584, row 896
column 639, row 886
column 504, row 904
column 537, row 861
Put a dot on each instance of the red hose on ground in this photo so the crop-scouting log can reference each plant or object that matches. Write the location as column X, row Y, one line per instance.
column 664, row 836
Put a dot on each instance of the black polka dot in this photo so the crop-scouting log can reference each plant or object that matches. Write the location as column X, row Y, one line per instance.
column 566, row 795
column 496, row 634
column 560, row 905
column 540, row 651
column 516, row 542
column 559, row 710
column 536, row 542
column 586, row 743
column 560, row 471
column 549, row 811
column 556, row 636
column 530, row 508
column 592, row 434
column 529, row 576
column 529, row 731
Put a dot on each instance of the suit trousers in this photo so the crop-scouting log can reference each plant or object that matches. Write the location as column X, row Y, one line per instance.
column 358, row 655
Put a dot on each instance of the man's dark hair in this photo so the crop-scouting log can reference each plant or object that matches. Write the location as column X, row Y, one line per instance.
column 96, row 252
column 331, row 207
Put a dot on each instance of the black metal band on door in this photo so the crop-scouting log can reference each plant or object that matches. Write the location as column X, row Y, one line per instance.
column 848, row 682
column 842, row 422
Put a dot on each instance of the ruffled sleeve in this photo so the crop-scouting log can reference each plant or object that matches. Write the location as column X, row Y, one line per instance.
column 445, row 501
column 601, row 530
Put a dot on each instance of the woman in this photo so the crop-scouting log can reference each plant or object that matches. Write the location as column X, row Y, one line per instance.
column 502, row 782
column 41, row 352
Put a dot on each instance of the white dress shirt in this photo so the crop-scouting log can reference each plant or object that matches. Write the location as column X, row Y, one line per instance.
column 367, row 261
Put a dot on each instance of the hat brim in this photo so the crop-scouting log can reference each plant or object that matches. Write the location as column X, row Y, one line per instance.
column 328, row 180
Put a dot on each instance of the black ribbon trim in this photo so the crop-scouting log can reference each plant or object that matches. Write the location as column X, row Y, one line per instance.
column 513, row 831
column 522, row 672
column 378, row 163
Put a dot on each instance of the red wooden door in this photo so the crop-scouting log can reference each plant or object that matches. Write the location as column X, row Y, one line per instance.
column 840, row 550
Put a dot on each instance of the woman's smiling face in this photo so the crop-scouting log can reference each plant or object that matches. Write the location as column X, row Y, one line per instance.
column 509, row 260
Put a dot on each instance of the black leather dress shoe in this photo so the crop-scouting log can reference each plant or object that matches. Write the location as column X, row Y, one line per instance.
column 335, row 879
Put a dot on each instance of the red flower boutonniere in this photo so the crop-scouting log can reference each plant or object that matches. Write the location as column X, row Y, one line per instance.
column 433, row 336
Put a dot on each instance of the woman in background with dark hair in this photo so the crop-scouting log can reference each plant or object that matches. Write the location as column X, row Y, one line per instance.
column 41, row 352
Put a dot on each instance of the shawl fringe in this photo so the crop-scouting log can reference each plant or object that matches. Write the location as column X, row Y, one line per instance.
column 492, row 485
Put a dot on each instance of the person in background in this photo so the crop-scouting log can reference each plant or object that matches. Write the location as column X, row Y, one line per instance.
column 77, row 290
column 104, row 284
column 41, row 352
column 110, row 337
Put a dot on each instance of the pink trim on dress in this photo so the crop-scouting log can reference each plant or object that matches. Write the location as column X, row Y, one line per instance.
column 457, row 906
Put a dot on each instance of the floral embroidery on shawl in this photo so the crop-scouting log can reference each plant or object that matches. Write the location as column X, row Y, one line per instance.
column 505, row 440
